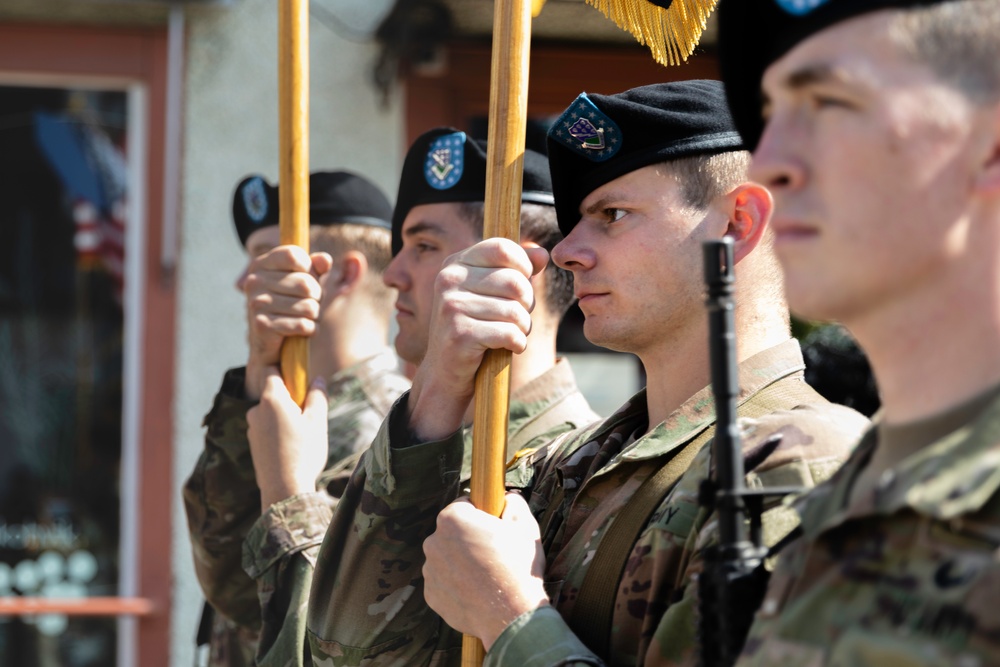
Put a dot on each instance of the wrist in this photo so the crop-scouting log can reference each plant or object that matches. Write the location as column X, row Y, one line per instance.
column 253, row 381
column 435, row 410
column 275, row 493
column 512, row 612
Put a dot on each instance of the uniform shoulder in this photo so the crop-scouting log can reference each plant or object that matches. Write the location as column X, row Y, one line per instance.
column 814, row 432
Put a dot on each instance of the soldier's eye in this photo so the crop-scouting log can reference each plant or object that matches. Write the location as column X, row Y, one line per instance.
column 615, row 214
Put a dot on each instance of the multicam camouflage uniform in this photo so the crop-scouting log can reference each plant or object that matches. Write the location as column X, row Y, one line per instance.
column 282, row 547
column 369, row 606
column 223, row 501
column 904, row 573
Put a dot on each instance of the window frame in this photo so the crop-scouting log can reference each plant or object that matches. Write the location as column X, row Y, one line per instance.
column 133, row 60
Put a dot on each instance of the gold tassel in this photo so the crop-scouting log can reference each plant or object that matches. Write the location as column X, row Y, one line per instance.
column 671, row 34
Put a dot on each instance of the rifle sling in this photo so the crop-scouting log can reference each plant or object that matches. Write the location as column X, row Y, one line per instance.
column 593, row 611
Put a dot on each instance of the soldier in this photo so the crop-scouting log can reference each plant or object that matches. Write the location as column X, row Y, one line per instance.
column 877, row 126
column 439, row 211
column 640, row 179
column 350, row 307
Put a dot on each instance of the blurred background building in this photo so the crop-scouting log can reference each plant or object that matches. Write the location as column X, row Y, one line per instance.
column 124, row 127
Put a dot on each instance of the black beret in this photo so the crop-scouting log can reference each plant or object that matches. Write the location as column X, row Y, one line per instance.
column 602, row 137
column 335, row 197
column 744, row 53
column 445, row 166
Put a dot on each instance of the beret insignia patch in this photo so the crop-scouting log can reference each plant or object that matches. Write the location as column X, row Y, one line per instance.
column 255, row 199
column 800, row 7
column 587, row 131
column 445, row 161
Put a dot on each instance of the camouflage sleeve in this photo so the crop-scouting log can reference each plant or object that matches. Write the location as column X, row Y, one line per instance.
column 368, row 602
column 280, row 553
column 222, row 502
column 536, row 638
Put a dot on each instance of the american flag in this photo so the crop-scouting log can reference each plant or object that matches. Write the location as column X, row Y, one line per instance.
column 93, row 171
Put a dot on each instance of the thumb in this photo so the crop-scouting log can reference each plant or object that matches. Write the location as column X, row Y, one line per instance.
column 516, row 508
column 274, row 386
column 316, row 399
column 321, row 263
column 539, row 259
column 519, row 514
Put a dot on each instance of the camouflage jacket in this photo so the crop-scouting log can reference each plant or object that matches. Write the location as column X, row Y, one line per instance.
column 368, row 605
column 905, row 575
column 281, row 550
column 223, row 502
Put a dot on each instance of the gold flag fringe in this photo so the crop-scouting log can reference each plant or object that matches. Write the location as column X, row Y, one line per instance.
column 671, row 34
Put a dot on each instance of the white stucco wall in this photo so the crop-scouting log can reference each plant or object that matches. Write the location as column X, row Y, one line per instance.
column 231, row 129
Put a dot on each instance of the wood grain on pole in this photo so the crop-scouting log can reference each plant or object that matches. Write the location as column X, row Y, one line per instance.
column 508, row 112
column 293, row 163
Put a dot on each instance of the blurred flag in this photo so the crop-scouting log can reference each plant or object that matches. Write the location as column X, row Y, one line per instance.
column 93, row 171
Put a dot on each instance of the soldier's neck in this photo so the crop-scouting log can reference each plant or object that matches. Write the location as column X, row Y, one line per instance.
column 332, row 349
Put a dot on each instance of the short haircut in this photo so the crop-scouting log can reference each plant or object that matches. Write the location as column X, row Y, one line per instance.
column 959, row 41
column 538, row 225
column 372, row 242
column 703, row 178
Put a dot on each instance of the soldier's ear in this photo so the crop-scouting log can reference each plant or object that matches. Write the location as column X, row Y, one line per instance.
column 989, row 174
column 349, row 269
column 749, row 206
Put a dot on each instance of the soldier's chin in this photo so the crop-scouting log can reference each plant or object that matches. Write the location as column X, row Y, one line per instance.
column 602, row 337
column 408, row 351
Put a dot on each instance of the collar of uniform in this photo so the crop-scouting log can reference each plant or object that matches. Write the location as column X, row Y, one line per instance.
column 550, row 386
column 954, row 476
column 364, row 376
column 698, row 412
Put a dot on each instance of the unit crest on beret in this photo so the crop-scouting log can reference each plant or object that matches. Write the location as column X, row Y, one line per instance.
column 800, row 7
column 587, row 130
column 255, row 199
column 444, row 164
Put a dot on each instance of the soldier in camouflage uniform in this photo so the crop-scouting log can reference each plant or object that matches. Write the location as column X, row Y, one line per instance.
column 880, row 138
column 439, row 211
column 640, row 179
column 350, row 219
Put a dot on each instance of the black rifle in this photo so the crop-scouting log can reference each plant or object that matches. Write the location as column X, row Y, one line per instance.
column 734, row 579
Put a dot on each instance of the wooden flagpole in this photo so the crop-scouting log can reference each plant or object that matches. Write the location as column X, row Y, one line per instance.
column 508, row 114
column 671, row 29
column 293, row 163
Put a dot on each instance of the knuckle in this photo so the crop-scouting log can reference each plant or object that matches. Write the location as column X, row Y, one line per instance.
column 252, row 282
column 259, row 301
column 261, row 322
column 311, row 309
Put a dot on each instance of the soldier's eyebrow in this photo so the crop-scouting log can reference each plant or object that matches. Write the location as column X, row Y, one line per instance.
column 607, row 201
column 819, row 74
column 810, row 75
column 815, row 74
column 424, row 227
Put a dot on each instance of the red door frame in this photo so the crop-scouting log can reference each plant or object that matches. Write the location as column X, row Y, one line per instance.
column 138, row 55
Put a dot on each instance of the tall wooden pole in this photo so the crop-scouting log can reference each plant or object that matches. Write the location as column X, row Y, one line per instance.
column 508, row 112
column 293, row 163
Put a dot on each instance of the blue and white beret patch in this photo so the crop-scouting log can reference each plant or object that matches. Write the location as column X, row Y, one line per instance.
column 800, row 7
column 587, row 131
column 445, row 161
column 255, row 199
